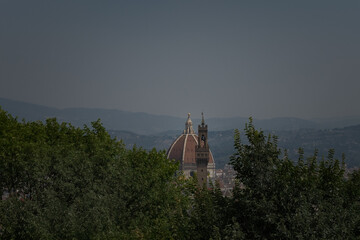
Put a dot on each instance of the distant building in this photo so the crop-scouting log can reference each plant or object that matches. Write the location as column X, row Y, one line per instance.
column 226, row 179
column 193, row 153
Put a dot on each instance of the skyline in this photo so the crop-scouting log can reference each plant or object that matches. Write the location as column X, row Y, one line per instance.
column 226, row 59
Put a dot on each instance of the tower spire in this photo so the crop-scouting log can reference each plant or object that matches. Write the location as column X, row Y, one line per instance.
column 202, row 153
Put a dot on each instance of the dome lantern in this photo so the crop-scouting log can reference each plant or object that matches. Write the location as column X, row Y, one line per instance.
column 188, row 126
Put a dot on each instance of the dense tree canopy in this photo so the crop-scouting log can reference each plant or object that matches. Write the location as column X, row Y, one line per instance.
column 282, row 199
column 62, row 182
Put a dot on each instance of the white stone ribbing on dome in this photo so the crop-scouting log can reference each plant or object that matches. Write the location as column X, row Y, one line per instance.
column 183, row 153
column 172, row 145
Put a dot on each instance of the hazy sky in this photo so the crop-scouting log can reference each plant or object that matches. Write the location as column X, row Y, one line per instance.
column 225, row 58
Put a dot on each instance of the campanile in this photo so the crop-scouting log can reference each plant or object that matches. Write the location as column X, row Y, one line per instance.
column 202, row 153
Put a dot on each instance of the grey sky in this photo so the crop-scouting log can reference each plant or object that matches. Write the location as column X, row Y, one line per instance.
column 226, row 58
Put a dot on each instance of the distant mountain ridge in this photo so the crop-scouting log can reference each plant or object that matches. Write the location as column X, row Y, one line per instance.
column 141, row 123
column 149, row 131
column 148, row 124
column 343, row 140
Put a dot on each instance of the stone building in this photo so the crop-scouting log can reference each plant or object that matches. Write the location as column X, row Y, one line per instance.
column 185, row 146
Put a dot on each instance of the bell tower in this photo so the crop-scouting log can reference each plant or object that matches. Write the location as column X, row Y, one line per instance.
column 202, row 153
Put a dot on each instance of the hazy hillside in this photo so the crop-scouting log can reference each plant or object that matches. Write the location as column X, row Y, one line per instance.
column 344, row 140
column 220, row 124
column 144, row 123
column 157, row 131
column 141, row 123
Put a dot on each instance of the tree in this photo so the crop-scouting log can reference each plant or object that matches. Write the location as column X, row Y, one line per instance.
column 72, row 183
column 279, row 198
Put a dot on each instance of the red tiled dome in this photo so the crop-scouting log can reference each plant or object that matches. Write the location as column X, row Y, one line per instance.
column 183, row 150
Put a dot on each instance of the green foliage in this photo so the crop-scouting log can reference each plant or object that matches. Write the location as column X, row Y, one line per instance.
column 210, row 215
column 280, row 199
column 62, row 182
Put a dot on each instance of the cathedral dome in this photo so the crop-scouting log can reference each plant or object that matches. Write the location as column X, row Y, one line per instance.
column 183, row 150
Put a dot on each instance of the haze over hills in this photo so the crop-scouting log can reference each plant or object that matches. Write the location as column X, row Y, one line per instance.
column 149, row 131
column 141, row 123
column 343, row 140
column 145, row 123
